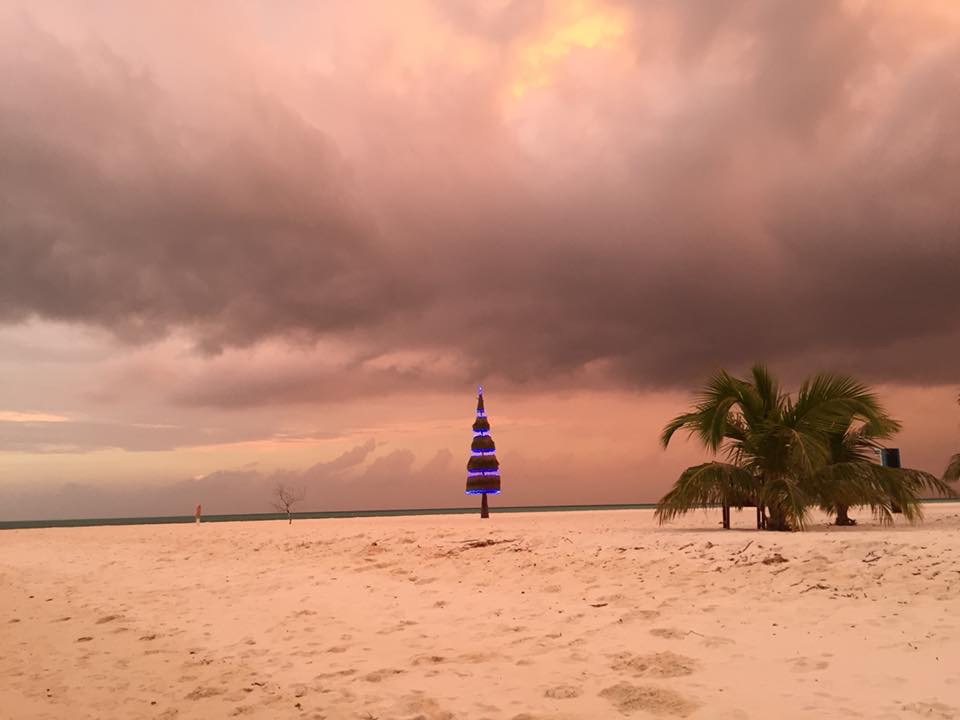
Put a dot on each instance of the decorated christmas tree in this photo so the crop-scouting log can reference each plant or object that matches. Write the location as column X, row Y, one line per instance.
column 483, row 469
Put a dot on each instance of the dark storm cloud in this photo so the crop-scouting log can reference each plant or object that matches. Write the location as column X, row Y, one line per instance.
column 117, row 211
column 758, row 181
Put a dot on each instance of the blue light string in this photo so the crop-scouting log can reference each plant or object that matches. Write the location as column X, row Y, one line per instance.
column 483, row 474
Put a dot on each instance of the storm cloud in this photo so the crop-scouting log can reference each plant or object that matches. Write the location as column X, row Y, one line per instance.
column 500, row 190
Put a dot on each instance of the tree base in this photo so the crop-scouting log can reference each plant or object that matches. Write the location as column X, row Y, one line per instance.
column 843, row 520
column 777, row 522
column 761, row 519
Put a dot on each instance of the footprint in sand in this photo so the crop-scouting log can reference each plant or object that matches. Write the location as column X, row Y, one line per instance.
column 803, row 664
column 629, row 699
column 381, row 675
column 476, row 657
column 423, row 708
column 669, row 633
column 936, row 710
column 615, row 597
column 657, row 665
column 428, row 660
column 204, row 692
column 562, row 692
column 107, row 618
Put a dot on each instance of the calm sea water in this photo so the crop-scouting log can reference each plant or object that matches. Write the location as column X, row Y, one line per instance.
column 84, row 522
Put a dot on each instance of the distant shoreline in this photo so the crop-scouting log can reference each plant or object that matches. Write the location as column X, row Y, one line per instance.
column 253, row 517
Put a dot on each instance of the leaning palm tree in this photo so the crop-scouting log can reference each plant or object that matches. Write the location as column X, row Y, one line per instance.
column 772, row 444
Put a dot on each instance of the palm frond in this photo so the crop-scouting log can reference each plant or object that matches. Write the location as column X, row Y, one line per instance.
column 713, row 416
column 766, row 390
column 678, row 423
column 927, row 485
column 881, row 427
column 720, row 395
column 898, row 490
column 704, row 485
column 785, row 496
column 807, row 452
column 827, row 400
column 952, row 473
column 858, row 483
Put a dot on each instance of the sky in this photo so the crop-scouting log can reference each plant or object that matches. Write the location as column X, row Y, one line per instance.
column 244, row 243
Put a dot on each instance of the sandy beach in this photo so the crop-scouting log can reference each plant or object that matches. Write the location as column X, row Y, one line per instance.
column 522, row 617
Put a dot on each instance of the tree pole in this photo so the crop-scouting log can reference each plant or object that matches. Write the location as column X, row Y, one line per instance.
column 484, row 510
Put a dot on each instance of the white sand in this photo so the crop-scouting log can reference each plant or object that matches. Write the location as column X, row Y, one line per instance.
column 569, row 615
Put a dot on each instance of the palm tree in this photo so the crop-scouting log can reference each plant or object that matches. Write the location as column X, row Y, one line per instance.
column 848, row 477
column 773, row 443
column 952, row 473
column 852, row 477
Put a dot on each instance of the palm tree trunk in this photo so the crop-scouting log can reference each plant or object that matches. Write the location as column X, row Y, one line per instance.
column 777, row 520
column 842, row 517
column 484, row 510
column 726, row 516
